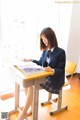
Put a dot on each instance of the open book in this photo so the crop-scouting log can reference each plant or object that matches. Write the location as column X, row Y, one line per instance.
column 29, row 68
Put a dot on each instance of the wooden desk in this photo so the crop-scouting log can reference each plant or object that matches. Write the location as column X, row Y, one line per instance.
column 26, row 81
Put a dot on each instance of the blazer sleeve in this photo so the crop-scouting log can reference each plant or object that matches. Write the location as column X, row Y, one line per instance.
column 60, row 67
column 39, row 62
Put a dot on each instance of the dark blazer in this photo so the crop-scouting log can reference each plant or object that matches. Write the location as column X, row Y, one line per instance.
column 57, row 62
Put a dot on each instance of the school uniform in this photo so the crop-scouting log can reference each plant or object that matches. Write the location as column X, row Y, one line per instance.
column 56, row 61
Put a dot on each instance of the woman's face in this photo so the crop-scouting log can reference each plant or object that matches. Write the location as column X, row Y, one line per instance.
column 45, row 41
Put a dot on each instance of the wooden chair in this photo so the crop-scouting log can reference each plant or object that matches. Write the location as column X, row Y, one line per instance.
column 69, row 69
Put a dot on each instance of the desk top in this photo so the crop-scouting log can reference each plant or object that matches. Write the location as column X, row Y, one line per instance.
column 33, row 75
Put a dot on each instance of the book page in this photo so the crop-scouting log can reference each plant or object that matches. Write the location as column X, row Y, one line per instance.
column 29, row 68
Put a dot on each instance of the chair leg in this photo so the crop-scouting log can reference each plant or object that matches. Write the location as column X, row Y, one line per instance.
column 50, row 100
column 47, row 102
column 59, row 105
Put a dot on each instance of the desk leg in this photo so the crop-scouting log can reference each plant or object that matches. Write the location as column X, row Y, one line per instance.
column 35, row 102
column 17, row 87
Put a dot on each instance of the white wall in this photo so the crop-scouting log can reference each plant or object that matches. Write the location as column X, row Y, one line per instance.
column 73, row 47
column 0, row 25
column 0, row 19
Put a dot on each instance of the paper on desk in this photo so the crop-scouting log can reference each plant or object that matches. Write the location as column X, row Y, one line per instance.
column 29, row 68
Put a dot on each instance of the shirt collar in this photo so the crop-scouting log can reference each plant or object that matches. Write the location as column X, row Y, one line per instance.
column 51, row 49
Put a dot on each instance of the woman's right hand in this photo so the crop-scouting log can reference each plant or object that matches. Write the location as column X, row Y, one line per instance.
column 27, row 60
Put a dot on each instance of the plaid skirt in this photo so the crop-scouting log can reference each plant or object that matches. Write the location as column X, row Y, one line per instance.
column 48, row 87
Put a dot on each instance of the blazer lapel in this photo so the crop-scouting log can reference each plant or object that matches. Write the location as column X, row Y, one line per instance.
column 52, row 55
column 44, row 58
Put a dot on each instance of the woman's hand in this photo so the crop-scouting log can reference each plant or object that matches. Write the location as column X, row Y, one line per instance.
column 49, row 69
column 27, row 60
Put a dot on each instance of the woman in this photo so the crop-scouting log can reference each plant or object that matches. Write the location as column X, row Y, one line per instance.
column 52, row 59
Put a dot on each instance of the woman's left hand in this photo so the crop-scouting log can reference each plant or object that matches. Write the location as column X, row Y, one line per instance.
column 48, row 69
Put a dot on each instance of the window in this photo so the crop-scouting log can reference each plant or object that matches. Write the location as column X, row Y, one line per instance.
column 22, row 22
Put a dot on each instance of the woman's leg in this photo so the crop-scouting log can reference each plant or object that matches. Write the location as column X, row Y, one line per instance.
column 23, row 115
column 29, row 112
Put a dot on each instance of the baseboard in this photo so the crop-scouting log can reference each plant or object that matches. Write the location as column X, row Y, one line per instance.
column 7, row 96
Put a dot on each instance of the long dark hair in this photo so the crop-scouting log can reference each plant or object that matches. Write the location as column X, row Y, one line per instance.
column 51, row 37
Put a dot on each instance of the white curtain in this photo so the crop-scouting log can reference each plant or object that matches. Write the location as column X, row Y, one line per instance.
column 22, row 22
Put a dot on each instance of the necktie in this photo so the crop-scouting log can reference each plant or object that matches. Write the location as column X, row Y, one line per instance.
column 48, row 53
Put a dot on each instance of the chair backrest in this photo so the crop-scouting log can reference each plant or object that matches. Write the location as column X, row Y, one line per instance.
column 70, row 67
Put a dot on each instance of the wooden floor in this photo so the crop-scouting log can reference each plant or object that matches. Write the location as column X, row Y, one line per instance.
column 71, row 97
